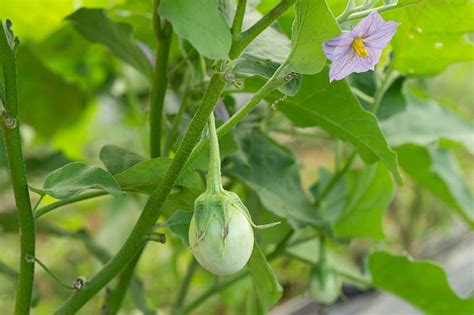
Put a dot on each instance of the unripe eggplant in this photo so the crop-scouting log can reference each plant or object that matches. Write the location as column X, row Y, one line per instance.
column 324, row 285
column 220, row 234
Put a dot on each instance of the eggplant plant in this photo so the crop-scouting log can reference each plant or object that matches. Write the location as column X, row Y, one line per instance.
column 325, row 118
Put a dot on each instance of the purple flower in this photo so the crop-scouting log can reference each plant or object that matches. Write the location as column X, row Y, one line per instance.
column 359, row 50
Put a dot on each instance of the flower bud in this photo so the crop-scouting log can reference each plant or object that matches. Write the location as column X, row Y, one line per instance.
column 220, row 233
column 325, row 285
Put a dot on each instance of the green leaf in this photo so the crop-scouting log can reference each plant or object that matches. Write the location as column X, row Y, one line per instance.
column 179, row 224
column 437, row 171
column 144, row 176
column 425, row 122
column 95, row 26
column 73, row 178
column 334, row 108
column 269, row 291
column 201, row 23
column 420, row 283
column 117, row 159
column 356, row 205
column 271, row 171
column 314, row 24
column 427, row 40
column 46, row 97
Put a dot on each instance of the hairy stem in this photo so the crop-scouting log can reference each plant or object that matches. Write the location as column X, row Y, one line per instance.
column 214, row 182
column 160, row 80
column 249, row 35
column 43, row 210
column 238, row 19
column 272, row 84
column 154, row 205
column 11, row 132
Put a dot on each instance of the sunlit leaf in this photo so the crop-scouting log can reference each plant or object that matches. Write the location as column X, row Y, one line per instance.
column 74, row 178
column 431, row 35
column 314, row 24
column 201, row 23
column 420, row 283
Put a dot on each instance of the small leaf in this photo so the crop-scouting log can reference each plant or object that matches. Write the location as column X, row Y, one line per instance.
column 271, row 171
column 73, row 178
column 334, row 108
column 425, row 122
column 146, row 175
column 269, row 291
column 179, row 224
column 438, row 171
column 95, row 26
column 201, row 23
column 314, row 24
column 117, row 159
column 420, row 283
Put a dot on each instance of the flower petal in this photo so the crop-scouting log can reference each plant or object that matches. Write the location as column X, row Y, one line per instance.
column 337, row 47
column 342, row 67
column 368, row 25
column 383, row 36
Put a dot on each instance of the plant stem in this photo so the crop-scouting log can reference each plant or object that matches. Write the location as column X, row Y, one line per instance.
column 272, row 84
column 249, row 35
column 185, row 286
column 43, row 210
column 11, row 133
column 154, row 205
column 160, row 80
column 114, row 300
column 214, row 182
column 238, row 19
column 50, row 273
column 389, row 78
column 335, row 179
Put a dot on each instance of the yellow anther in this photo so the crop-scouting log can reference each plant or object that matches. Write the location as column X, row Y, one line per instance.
column 359, row 48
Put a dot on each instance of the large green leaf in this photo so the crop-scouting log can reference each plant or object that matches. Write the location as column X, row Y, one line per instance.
column 271, row 171
column 314, row 24
column 144, row 176
column 431, row 35
column 420, row 283
column 425, row 122
column 95, row 26
column 356, row 205
column 438, row 171
column 46, row 97
column 117, row 159
column 269, row 291
column 334, row 108
column 73, row 178
column 201, row 23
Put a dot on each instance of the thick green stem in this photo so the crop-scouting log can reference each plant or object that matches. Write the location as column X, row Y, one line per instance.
column 249, row 35
column 154, row 206
column 11, row 133
column 114, row 300
column 160, row 81
column 272, row 84
column 238, row 19
column 214, row 182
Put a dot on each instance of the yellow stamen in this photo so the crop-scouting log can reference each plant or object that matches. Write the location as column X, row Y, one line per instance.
column 359, row 47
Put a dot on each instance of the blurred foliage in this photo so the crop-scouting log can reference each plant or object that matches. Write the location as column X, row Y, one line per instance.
column 77, row 97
